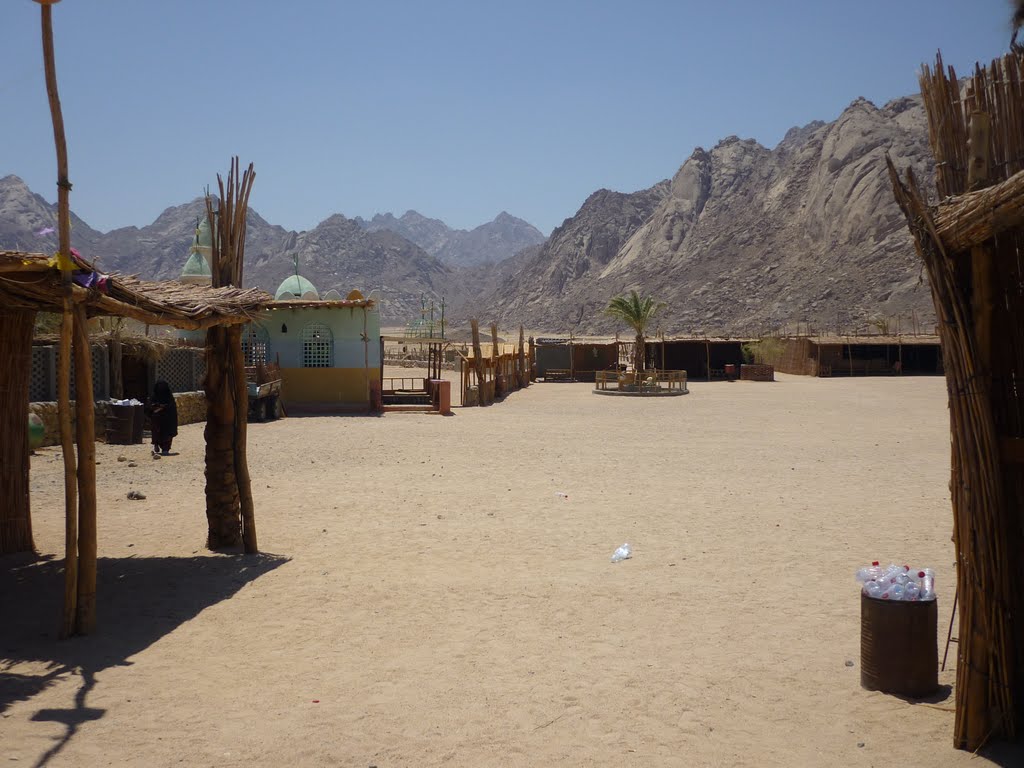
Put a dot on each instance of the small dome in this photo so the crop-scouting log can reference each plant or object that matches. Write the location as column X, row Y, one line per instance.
column 297, row 286
column 196, row 270
column 203, row 242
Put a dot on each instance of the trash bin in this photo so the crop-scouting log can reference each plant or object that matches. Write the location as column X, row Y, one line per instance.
column 138, row 422
column 730, row 371
column 899, row 651
column 124, row 426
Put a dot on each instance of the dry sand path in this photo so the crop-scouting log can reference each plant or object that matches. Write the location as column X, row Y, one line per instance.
column 433, row 601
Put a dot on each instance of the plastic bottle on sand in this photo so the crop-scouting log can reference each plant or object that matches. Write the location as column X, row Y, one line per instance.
column 622, row 553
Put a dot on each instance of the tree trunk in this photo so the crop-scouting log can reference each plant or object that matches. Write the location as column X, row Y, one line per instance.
column 241, row 395
column 639, row 356
column 15, row 509
column 223, row 511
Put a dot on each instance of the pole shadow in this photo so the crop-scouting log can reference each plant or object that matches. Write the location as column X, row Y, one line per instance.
column 139, row 601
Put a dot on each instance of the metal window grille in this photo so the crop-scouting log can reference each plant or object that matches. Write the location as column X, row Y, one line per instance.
column 99, row 374
column 41, row 385
column 317, row 346
column 254, row 345
column 177, row 368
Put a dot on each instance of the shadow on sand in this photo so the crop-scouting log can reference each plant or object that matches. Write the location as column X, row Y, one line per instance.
column 139, row 600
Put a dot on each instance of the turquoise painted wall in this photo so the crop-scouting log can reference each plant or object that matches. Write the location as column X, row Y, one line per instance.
column 346, row 326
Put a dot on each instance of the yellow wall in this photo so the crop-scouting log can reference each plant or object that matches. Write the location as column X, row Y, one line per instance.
column 326, row 386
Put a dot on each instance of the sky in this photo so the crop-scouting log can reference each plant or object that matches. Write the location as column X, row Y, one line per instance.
column 458, row 109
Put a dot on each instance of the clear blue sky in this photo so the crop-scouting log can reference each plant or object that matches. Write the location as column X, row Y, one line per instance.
column 455, row 108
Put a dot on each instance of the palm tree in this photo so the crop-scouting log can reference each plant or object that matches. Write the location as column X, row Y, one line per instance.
column 636, row 311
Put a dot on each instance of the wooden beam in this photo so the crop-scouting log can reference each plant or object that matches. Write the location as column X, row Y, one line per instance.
column 973, row 218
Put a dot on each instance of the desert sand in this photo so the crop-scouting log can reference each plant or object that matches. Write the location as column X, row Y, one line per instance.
column 427, row 598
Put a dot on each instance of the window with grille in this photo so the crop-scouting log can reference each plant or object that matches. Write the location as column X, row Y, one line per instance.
column 254, row 345
column 317, row 346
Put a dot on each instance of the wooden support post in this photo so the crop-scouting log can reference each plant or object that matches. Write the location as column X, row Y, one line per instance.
column 67, row 443
column 478, row 361
column 523, row 375
column 495, row 362
column 707, row 353
column 241, row 393
column 85, row 431
column 531, row 360
column 68, row 626
column 15, row 508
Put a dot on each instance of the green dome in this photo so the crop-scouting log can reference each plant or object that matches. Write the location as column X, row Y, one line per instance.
column 298, row 287
column 203, row 241
column 196, row 266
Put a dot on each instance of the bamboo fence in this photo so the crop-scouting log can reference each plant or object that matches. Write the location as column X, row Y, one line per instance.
column 971, row 245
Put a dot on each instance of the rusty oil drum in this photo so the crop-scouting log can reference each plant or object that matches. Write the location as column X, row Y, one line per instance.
column 899, row 651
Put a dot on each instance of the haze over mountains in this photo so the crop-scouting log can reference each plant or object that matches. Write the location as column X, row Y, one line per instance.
column 741, row 239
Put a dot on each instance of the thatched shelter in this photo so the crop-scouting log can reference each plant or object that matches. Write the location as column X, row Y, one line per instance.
column 30, row 283
column 971, row 244
column 877, row 355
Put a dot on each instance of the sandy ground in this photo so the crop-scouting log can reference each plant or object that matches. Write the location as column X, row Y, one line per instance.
column 431, row 600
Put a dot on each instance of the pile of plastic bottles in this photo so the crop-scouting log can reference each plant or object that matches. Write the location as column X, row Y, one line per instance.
column 897, row 582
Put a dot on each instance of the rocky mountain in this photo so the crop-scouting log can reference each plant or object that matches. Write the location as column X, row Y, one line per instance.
column 337, row 253
column 548, row 286
column 29, row 223
column 489, row 243
column 740, row 240
column 744, row 238
column 159, row 250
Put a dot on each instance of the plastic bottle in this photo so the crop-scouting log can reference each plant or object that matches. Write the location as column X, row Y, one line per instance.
column 873, row 589
column 870, row 573
column 912, row 591
column 927, row 577
column 622, row 553
column 896, row 592
column 562, row 495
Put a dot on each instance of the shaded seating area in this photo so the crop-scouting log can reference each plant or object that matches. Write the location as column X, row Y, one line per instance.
column 33, row 282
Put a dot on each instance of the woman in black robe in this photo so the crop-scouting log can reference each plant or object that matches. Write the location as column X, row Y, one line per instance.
column 163, row 417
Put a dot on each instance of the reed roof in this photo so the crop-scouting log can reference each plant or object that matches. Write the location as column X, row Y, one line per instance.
column 31, row 281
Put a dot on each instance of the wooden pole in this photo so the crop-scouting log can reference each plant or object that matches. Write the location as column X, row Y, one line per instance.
column 531, row 360
column 85, row 430
column 16, row 328
column 67, row 444
column 68, row 626
column 524, row 379
column 707, row 353
column 494, row 359
column 241, row 389
column 478, row 361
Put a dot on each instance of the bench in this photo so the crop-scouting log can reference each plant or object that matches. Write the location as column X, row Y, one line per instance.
column 557, row 374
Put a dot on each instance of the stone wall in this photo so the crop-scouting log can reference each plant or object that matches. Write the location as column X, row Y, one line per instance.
column 191, row 407
column 191, row 410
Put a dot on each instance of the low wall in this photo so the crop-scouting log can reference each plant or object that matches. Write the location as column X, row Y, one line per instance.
column 191, row 410
column 750, row 372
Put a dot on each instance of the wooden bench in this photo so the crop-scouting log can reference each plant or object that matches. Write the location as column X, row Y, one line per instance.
column 557, row 374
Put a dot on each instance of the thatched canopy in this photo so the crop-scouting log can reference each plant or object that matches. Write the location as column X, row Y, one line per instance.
column 31, row 281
